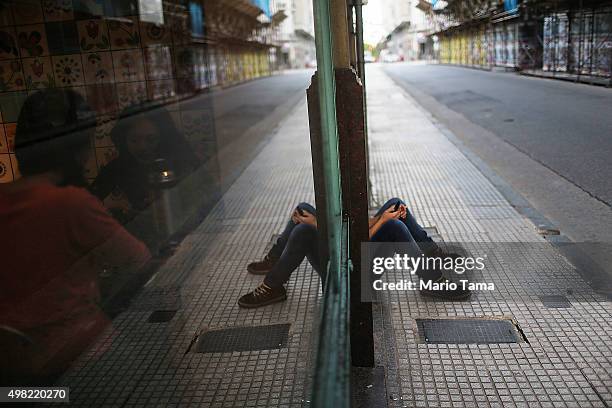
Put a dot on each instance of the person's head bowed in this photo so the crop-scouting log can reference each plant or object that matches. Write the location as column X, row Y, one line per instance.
column 54, row 132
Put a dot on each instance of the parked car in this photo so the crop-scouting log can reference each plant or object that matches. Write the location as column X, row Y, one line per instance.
column 387, row 56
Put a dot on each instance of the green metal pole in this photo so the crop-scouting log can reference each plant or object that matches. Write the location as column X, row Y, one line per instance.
column 332, row 375
column 329, row 131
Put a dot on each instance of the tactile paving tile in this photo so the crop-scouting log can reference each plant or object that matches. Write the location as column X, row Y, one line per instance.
column 161, row 316
column 467, row 331
column 243, row 339
column 555, row 301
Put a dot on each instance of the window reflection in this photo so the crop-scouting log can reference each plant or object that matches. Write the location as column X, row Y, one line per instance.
column 122, row 125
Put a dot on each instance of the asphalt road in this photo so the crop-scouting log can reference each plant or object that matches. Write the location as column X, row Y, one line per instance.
column 564, row 126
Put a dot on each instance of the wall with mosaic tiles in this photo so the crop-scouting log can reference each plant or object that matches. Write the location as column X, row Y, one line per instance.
column 115, row 55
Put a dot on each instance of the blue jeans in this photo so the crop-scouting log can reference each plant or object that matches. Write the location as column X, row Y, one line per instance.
column 299, row 241
column 416, row 232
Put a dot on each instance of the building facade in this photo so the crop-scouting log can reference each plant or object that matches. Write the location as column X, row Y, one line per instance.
column 297, row 34
column 408, row 28
column 119, row 54
column 541, row 37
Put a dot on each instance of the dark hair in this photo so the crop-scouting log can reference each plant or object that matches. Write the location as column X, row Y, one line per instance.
column 172, row 145
column 53, row 127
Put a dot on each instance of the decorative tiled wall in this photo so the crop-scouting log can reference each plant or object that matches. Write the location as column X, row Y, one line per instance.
column 114, row 56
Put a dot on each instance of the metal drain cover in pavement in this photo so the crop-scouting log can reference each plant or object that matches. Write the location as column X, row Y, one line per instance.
column 161, row 316
column 467, row 331
column 555, row 301
column 244, row 339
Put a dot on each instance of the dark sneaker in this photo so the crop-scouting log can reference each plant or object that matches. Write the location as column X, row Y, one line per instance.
column 262, row 267
column 262, row 295
column 437, row 252
column 442, row 288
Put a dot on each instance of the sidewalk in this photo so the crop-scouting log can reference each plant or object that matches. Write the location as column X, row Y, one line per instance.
column 144, row 364
column 564, row 358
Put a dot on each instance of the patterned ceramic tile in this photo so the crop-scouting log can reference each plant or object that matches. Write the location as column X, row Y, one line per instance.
column 68, row 70
column 11, row 76
column 9, row 134
column 102, row 98
column 128, row 65
column 98, row 67
column 158, row 62
column 103, row 130
column 154, row 34
column 181, row 33
column 27, row 12
column 32, row 40
column 93, row 35
column 62, row 37
column 38, row 73
column 185, row 86
column 131, row 93
column 124, row 32
column 184, row 59
column 3, row 143
column 15, row 166
column 57, row 10
column 6, row 172
column 8, row 43
column 164, row 89
column 104, row 155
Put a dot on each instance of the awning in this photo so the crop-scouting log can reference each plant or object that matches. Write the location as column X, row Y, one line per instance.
column 243, row 6
column 279, row 17
column 424, row 5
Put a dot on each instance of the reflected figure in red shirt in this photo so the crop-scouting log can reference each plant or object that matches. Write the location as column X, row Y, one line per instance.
column 58, row 239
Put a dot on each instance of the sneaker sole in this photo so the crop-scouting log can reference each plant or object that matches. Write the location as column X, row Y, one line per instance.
column 254, row 272
column 269, row 302
column 439, row 295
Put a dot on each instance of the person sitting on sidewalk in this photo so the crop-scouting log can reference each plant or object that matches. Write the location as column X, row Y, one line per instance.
column 300, row 239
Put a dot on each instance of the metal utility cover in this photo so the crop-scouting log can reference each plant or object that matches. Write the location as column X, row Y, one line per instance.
column 161, row 316
column 244, row 339
column 467, row 331
column 555, row 301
